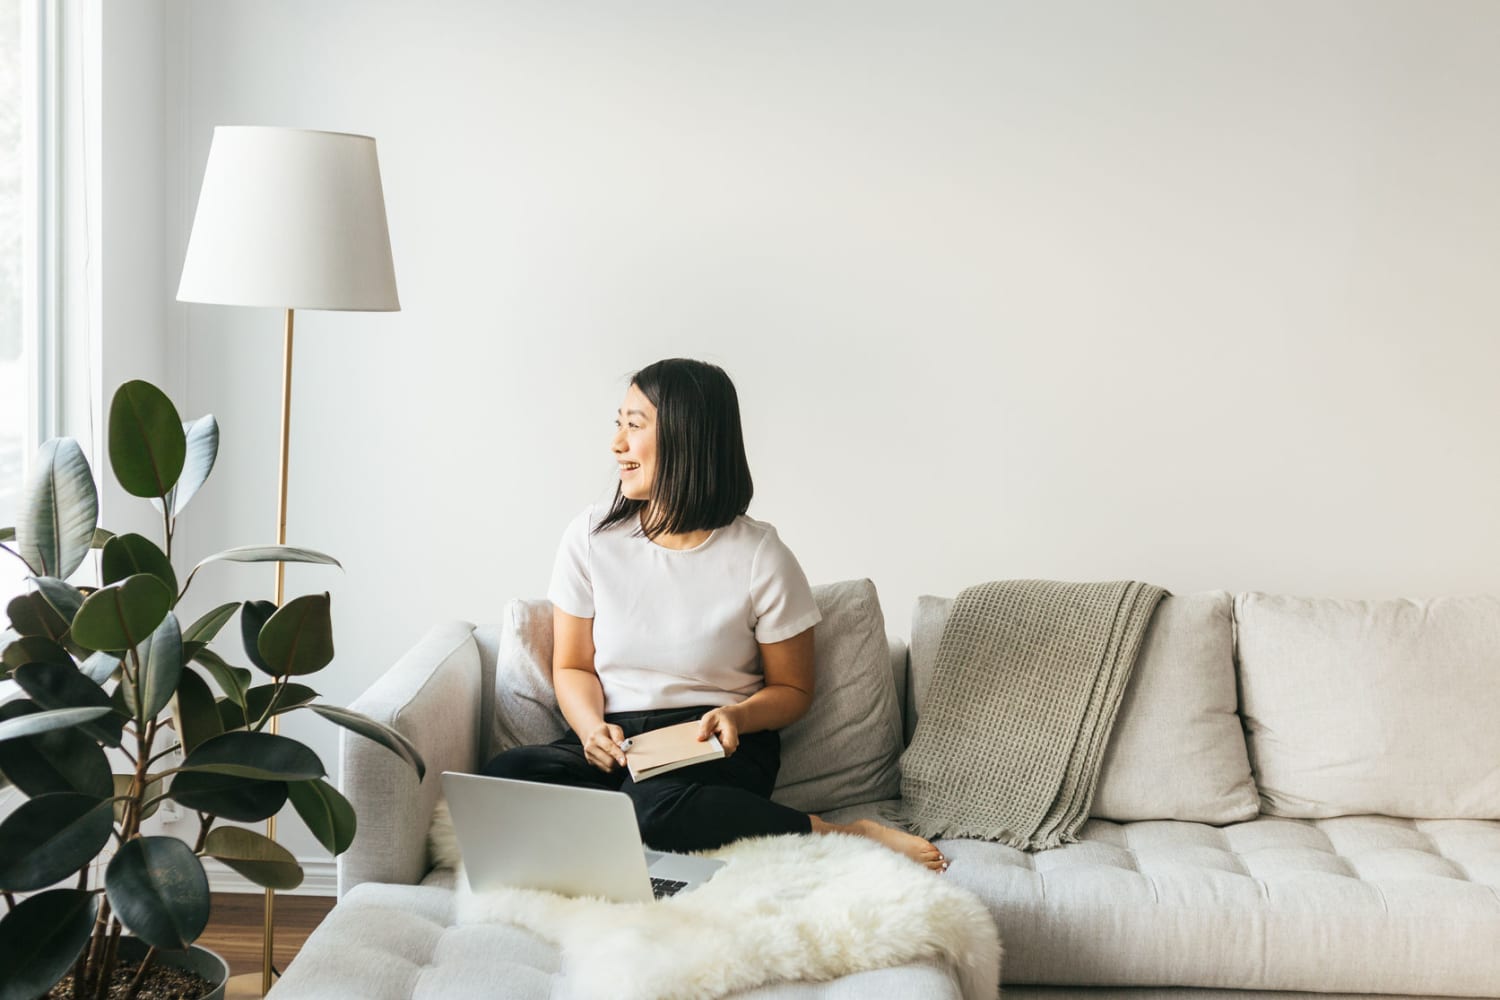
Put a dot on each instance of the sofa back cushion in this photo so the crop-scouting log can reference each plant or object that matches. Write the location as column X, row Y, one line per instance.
column 1386, row 707
column 842, row 752
column 526, row 711
column 1177, row 751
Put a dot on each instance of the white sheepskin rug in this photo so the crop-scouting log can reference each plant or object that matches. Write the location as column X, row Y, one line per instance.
column 790, row 908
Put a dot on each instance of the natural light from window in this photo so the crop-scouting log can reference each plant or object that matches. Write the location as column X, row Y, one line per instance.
column 14, row 381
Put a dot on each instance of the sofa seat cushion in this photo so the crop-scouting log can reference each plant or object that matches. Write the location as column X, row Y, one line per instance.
column 395, row 942
column 1358, row 904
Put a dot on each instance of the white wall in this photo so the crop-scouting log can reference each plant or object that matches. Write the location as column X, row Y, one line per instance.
column 1200, row 294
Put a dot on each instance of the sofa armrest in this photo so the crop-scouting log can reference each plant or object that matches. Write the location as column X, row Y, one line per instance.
column 431, row 696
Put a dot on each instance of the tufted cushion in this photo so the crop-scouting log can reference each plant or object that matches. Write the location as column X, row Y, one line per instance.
column 1177, row 750
column 1383, row 707
column 400, row 942
column 842, row 752
column 1356, row 904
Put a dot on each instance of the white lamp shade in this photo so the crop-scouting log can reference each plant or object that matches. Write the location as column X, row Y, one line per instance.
column 290, row 218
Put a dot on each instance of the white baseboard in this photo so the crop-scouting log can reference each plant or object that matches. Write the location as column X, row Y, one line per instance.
column 319, row 878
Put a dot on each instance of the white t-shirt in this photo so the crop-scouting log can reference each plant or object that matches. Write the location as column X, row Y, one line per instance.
column 677, row 628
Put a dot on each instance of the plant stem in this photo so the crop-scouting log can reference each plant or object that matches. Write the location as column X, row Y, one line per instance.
column 166, row 525
column 272, row 705
column 140, row 973
column 10, row 901
column 93, row 955
column 112, row 951
column 205, row 822
column 18, row 555
column 164, row 753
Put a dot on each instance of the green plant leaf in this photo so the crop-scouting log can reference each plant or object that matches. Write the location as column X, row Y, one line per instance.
column 54, row 686
column 61, row 596
column 206, row 628
column 194, row 713
column 41, row 938
column 101, row 538
column 127, row 555
column 45, row 721
column 233, row 681
column 299, row 638
column 100, row 667
column 30, row 614
column 253, row 618
column 202, row 437
column 120, row 617
column 292, row 696
column 58, row 760
column 257, row 698
column 51, row 837
column 370, row 729
column 264, row 756
column 147, row 446
column 270, row 553
column 255, row 856
column 243, row 800
column 231, row 716
column 326, row 812
column 35, row 649
column 59, row 510
column 7, row 534
column 160, row 659
column 264, row 553
column 159, row 891
column 122, row 787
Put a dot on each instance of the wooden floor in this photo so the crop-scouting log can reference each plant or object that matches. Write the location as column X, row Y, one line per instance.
column 236, row 929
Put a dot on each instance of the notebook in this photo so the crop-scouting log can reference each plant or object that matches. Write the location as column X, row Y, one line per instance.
column 667, row 749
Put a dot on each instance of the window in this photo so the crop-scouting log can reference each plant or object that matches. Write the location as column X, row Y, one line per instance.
column 14, row 397
column 25, row 228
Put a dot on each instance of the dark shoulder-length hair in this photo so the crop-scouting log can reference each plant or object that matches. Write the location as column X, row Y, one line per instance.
column 702, row 477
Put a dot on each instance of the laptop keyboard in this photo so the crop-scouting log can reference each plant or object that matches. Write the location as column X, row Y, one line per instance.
column 662, row 887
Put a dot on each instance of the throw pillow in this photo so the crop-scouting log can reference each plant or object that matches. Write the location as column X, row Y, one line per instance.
column 1384, row 707
column 526, row 711
column 1177, row 751
column 843, row 752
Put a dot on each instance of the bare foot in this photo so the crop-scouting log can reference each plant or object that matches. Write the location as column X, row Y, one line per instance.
column 914, row 847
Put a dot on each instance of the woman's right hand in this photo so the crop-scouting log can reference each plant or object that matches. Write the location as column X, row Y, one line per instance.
column 602, row 747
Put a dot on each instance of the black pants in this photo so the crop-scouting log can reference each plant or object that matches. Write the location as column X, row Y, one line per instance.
column 694, row 808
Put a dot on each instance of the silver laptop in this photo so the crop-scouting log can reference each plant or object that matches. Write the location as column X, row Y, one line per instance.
column 574, row 841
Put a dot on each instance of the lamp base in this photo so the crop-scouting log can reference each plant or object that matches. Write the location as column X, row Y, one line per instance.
column 245, row 986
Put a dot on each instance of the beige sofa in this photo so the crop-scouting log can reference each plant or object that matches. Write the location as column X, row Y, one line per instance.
column 1300, row 796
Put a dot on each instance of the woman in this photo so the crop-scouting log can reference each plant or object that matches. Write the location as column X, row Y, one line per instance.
column 671, row 606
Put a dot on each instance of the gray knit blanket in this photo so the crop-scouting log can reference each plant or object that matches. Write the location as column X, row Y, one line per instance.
column 1025, row 690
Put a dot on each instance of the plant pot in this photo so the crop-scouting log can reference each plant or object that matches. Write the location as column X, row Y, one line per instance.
column 196, row 959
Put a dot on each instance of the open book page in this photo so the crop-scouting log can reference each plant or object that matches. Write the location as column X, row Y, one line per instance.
column 667, row 749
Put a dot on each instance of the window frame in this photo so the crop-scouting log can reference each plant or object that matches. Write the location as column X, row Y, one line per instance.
column 41, row 241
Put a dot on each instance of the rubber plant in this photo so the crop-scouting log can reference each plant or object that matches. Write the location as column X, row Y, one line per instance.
column 124, row 707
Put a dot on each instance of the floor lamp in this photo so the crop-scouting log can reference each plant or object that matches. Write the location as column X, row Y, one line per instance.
column 293, row 219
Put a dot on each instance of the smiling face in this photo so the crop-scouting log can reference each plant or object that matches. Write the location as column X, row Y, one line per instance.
column 634, row 445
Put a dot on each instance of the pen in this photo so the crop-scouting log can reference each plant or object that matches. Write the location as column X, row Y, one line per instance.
column 626, row 744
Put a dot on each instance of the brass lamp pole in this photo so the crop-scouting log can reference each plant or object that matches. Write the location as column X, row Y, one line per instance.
column 268, row 943
column 293, row 219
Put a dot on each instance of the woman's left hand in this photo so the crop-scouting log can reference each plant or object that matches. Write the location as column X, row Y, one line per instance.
column 724, row 723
